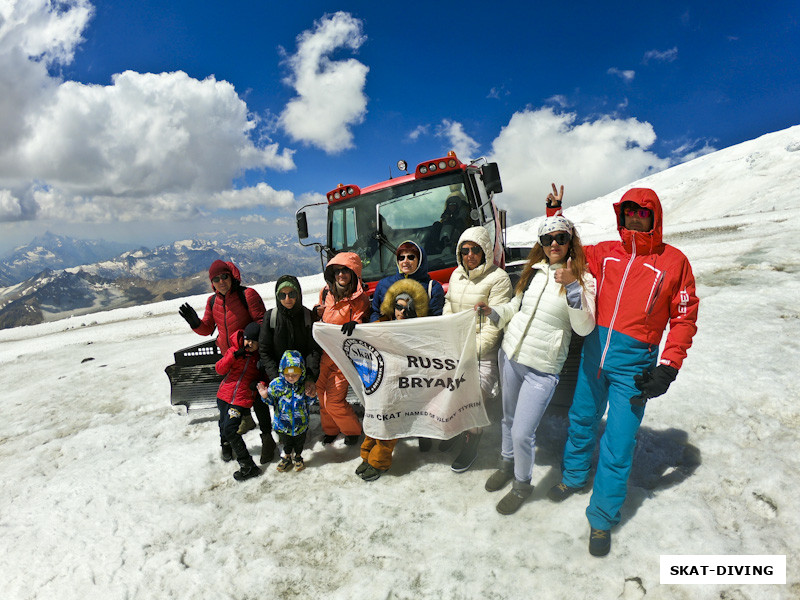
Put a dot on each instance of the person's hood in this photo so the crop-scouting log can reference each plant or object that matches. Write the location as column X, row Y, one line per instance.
column 351, row 260
column 412, row 288
column 298, row 306
column 645, row 242
column 421, row 274
column 222, row 266
column 477, row 235
column 292, row 358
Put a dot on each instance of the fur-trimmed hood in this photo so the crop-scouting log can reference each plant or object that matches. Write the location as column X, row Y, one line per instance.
column 411, row 287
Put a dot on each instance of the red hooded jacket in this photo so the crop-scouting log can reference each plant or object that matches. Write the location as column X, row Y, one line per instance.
column 352, row 308
column 239, row 373
column 228, row 313
column 643, row 284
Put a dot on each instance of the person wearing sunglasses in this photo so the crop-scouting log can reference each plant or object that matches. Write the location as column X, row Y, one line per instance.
column 343, row 301
column 412, row 263
column 405, row 299
column 286, row 327
column 644, row 286
column 477, row 279
column 554, row 296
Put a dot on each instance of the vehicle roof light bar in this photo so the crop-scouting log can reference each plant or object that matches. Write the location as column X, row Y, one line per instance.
column 439, row 165
column 343, row 192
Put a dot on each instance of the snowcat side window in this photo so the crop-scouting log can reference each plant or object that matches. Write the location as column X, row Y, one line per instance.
column 343, row 225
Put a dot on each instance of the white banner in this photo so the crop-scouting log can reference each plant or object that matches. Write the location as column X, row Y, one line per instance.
column 415, row 378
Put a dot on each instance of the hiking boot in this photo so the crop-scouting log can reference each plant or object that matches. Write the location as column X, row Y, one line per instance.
column 299, row 464
column 247, row 472
column 468, row 453
column 425, row 444
column 500, row 478
column 599, row 541
column 267, row 448
column 285, row 464
column 510, row 503
column 328, row 439
column 226, row 452
column 561, row 491
column 371, row 473
column 445, row 445
column 352, row 440
column 246, row 425
column 362, row 467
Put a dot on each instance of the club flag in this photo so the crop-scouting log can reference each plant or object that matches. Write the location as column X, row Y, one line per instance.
column 415, row 377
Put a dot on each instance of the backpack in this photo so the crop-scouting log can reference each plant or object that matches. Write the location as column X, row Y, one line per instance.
column 273, row 318
column 240, row 290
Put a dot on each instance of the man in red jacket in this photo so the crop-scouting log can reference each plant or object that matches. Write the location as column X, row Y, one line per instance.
column 235, row 395
column 643, row 285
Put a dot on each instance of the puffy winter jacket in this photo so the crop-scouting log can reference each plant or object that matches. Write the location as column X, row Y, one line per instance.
column 239, row 373
column 289, row 400
column 436, row 303
column 352, row 308
column 644, row 284
column 486, row 283
column 228, row 313
column 292, row 332
column 539, row 323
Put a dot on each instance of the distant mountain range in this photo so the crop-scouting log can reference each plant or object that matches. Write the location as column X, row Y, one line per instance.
column 57, row 276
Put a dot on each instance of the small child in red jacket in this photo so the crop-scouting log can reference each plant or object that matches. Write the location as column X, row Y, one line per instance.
column 236, row 393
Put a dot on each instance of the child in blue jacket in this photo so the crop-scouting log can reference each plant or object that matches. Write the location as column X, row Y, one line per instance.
column 286, row 394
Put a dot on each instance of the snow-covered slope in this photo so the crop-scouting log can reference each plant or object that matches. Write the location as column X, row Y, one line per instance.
column 109, row 494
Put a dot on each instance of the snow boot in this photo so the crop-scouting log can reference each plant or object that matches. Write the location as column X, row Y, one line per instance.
column 267, row 448
column 226, row 452
column 246, row 425
column 285, row 464
column 501, row 477
column 445, row 445
column 371, row 473
column 561, row 491
column 468, row 453
column 510, row 503
column 328, row 439
column 425, row 444
column 352, row 440
column 599, row 541
column 247, row 470
column 362, row 467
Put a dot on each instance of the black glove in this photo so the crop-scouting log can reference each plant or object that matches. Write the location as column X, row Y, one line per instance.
column 188, row 313
column 653, row 383
column 348, row 327
column 240, row 353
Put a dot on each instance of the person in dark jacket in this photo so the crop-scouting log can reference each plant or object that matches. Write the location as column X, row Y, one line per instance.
column 235, row 395
column 411, row 263
column 229, row 309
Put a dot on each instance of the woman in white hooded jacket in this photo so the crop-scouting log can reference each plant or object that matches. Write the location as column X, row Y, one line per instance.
column 478, row 279
column 554, row 296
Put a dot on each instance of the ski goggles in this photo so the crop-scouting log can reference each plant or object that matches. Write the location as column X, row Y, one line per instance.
column 292, row 371
column 221, row 277
column 290, row 294
column 472, row 250
column 561, row 238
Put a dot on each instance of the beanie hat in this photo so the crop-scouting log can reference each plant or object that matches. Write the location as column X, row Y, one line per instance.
column 252, row 331
column 217, row 267
column 553, row 224
column 285, row 284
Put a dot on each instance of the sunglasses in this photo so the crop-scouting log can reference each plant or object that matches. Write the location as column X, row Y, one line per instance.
column 473, row 250
column 337, row 270
column 290, row 294
column 221, row 277
column 398, row 306
column 401, row 257
column 642, row 213
column 562, row 238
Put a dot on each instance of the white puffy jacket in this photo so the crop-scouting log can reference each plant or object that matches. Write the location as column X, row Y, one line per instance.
column 538, row 323
column 486, row 283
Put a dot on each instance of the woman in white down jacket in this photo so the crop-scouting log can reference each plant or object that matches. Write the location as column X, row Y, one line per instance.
column 478, row 279
column 554, row 296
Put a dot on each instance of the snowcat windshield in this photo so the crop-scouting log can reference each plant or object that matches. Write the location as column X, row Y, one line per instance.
column 431, row 212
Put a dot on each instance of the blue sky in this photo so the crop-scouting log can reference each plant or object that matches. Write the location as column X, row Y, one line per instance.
column 150, row 121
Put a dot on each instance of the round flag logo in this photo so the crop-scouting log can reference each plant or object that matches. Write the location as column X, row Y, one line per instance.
column 367, row 361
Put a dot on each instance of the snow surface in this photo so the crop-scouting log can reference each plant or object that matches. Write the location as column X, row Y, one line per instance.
column 108, row 493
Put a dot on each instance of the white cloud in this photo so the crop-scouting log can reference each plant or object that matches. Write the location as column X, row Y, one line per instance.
column 146, row 143
column 465, row 147
column 626, row 75
column 330, row 94
column 589, row 158
column 419, row 131
column 661, row 56
column 10, row 207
